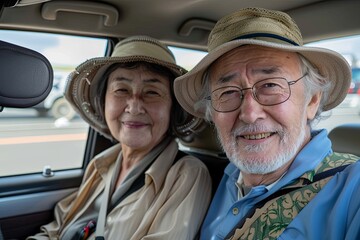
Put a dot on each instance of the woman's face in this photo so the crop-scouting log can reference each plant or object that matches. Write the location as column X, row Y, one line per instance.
column 137, row 107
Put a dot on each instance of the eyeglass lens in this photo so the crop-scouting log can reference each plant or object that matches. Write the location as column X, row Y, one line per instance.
column 267, row 92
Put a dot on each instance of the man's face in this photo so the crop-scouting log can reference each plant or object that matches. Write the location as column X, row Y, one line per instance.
column 260, row 139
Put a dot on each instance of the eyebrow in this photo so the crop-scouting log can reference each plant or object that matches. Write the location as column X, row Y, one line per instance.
column 226, row 79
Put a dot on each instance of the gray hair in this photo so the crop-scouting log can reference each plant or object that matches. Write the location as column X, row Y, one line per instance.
column 314, row 82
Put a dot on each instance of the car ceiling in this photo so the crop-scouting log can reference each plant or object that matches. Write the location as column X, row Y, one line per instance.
column 184, row 23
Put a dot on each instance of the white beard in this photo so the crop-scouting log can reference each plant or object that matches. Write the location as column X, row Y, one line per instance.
column 262, row 164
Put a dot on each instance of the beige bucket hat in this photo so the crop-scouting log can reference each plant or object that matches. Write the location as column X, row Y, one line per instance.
column 83, row 82
column 262, row 27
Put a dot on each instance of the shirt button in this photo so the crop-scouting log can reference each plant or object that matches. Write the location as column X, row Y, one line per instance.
column 235, row 211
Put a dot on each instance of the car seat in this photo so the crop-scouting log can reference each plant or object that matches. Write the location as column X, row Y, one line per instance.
column 346, row 138
column 205, row 146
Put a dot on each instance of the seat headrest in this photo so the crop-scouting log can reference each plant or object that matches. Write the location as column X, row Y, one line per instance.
column 26, row 76
column 346, row 138
column 204, row 142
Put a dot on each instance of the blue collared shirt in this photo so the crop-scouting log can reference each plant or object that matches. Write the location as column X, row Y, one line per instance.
column 333, row 214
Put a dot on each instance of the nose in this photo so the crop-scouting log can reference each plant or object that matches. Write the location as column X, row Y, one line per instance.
column 135, row 105
column 250, row 109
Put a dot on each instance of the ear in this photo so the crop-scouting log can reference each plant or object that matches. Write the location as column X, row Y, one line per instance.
column 313, row 105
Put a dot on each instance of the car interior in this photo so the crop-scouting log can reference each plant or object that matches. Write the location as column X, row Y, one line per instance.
column 27, row 197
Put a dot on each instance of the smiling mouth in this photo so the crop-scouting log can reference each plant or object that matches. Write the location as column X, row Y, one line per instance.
column 257, row 136
column 133, row 122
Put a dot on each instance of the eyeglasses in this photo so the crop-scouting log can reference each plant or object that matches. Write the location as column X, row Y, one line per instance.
column 267, row 92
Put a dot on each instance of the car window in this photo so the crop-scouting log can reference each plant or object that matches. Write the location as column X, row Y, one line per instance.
column 349, row 110
column 50, row 133
column 187, row 58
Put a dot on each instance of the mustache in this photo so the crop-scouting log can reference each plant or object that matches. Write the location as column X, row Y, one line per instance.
column 256, row 128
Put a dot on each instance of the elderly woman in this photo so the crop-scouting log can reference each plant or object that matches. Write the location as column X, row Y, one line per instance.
column 142, row 187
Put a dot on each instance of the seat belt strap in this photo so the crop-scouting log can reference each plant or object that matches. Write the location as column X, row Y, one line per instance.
column 100, row 225
column 104, row 209
column 140, row 182
column 265, row 203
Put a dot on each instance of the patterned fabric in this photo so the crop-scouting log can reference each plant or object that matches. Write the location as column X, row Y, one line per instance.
column 271, row 220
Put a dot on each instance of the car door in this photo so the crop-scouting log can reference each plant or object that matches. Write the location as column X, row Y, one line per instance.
column 42, row 156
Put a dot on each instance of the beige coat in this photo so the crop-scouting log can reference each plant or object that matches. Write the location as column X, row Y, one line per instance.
column 171, row 204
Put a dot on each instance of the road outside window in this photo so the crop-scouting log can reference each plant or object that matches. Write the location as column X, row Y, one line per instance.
column 50, row 133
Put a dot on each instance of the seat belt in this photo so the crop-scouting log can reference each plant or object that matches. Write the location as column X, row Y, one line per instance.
column 317, row 177
column 140, row 182
column 100, row 225
column 136, row 185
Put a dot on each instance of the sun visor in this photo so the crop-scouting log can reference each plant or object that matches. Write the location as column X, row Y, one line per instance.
column 26, row 76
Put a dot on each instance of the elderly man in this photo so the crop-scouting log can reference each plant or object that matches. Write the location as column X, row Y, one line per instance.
column 262, row 89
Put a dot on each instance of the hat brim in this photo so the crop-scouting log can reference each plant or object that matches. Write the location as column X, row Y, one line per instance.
column 188, row 87
column 82, row 86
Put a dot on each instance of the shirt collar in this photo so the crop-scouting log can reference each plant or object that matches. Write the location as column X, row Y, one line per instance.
column 310, row 155
column 103, row 161
column 241, row 188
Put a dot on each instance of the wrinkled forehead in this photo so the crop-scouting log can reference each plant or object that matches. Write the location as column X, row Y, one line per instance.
column 256, row 59
column 138, row 77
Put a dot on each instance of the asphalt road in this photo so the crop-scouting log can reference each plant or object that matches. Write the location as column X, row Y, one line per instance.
column 29, row 142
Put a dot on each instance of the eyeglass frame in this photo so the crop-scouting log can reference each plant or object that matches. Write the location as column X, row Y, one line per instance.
column 253, row 94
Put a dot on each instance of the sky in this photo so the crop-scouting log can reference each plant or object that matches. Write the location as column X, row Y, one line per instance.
column 59, row 49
